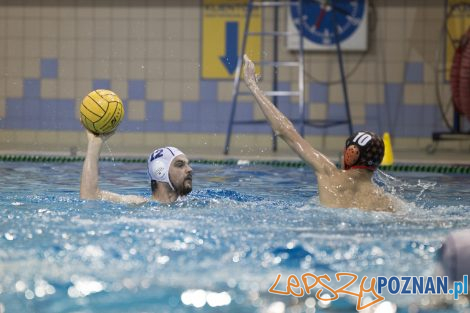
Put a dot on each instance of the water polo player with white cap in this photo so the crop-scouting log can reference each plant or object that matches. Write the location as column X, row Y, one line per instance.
column 351, row 187
column 170, row 173
column 168, row 168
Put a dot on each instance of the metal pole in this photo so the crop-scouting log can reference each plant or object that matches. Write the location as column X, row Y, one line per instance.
column 236, row 83
column 341, row 69
column 275, row 85
column 301, row 71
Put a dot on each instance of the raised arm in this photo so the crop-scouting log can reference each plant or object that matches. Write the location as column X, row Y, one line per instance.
column 283, row 127
column 89, row 189
column 89, row 183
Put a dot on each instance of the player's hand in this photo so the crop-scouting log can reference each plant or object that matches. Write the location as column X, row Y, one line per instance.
column 249, row 71
column 107, row 135
column 100, row 137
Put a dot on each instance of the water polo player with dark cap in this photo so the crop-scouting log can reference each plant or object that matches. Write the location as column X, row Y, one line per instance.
column 351, row 187
column 364, row 150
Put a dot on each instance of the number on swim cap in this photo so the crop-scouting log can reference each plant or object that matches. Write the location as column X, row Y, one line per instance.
column 362, row 138
column 156, row 154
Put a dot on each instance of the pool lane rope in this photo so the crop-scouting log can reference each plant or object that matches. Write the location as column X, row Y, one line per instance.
column 397, row 167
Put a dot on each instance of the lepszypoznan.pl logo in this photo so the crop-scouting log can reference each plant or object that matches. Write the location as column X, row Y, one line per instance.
column 404, row 285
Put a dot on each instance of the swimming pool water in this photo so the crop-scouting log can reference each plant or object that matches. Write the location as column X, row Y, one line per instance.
column 219, row 250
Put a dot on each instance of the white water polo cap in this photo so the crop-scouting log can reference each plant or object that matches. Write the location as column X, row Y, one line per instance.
column 159, row 162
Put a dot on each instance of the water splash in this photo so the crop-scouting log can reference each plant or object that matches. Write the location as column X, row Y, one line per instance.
column 110, row 152
column 233, row 234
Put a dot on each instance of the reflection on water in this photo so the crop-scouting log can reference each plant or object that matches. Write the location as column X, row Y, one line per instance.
column 220, row 250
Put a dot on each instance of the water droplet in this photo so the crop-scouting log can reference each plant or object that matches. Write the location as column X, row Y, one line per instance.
column 29, row 294
column 163, row 259
column 20, row 286
column 9, row 236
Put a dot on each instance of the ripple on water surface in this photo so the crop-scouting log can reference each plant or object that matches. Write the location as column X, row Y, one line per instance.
column 220, row 249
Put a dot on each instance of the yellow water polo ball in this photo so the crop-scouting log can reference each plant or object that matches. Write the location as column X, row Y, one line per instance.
column 101, row 111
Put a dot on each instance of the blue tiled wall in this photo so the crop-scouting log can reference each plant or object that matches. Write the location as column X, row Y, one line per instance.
column 211, row 115
column 49, row 68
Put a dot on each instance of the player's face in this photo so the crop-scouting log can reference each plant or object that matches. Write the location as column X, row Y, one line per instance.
column 181, row 175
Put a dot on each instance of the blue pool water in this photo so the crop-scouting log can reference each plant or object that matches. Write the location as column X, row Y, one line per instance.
column 220, row 250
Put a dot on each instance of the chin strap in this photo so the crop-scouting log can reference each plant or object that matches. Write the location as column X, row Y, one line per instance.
column 370, row 168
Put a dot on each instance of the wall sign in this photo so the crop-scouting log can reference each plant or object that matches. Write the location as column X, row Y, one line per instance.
column 223, row 23
column 319, row 19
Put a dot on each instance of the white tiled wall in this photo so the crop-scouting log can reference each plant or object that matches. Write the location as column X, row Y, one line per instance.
column 159, row 41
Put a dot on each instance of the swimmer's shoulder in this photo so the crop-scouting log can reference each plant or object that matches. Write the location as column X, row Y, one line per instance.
column 372, row 197
column 388, row 202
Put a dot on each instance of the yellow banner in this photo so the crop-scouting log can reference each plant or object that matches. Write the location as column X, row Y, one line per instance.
column 223, row 26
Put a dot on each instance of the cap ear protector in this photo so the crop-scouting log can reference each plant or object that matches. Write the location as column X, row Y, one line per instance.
column 363, row 150
column 351, row 155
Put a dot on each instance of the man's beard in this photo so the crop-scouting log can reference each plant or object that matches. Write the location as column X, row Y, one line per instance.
column 185, row 188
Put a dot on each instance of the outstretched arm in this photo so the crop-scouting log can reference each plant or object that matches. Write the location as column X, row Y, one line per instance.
column 283, row 127
column 89, row 189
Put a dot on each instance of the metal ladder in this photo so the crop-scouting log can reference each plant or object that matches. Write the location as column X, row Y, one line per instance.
column 275, row 92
